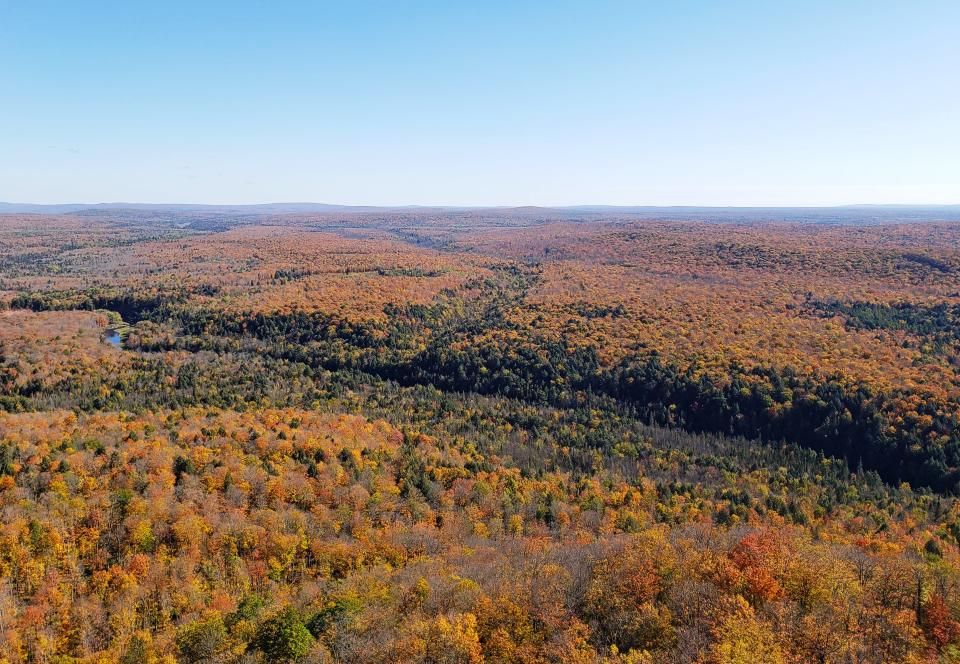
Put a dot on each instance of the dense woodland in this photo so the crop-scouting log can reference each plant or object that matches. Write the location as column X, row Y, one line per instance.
column 478, row 437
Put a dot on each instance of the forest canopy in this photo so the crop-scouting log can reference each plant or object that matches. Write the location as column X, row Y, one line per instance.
column 531, row 438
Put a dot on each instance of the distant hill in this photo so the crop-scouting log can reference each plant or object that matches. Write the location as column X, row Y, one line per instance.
column 856, row 214
column 264, row 208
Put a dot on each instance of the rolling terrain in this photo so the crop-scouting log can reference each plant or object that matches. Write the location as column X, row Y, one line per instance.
column 292, row 433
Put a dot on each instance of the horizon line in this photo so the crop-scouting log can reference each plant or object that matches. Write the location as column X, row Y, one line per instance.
column 506, row 206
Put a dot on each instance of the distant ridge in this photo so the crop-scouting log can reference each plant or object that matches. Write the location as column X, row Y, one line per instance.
column 261, row 208
column 306, row 208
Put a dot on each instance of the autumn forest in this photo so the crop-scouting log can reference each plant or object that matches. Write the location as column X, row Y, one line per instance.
column 504, row 436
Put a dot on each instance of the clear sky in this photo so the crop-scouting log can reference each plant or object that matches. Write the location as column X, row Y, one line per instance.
column 723, row 102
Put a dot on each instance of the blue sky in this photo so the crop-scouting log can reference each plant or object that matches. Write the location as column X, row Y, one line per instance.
column 481, row 103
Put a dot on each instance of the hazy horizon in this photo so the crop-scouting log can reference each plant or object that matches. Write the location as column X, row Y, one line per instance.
column 4, row 204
